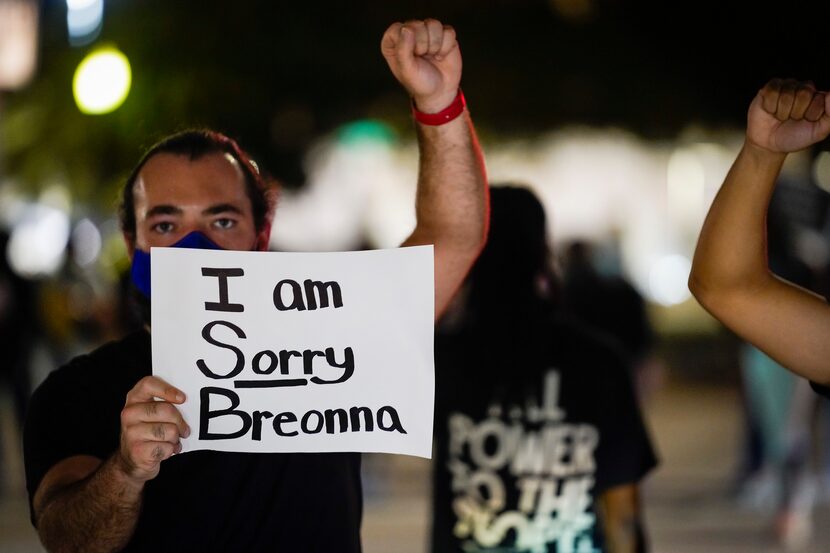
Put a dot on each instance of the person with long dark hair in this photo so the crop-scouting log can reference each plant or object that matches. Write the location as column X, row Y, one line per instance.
column 540, row 445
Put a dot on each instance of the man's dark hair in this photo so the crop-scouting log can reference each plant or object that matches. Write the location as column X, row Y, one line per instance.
column 196, row 144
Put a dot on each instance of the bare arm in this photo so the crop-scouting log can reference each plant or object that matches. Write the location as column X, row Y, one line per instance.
column 730, row 275
column 619, row 510
column 86, row 505
column 451, row 202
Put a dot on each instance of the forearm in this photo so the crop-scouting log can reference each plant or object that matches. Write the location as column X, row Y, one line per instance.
column 451, row 201
column 731, row 252
column 732, row 280
column 623, row 537
column 95, row 515
column 619, row 511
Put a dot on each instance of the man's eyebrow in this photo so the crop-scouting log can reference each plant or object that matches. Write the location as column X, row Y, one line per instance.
column 222, row 208
column 163, row 209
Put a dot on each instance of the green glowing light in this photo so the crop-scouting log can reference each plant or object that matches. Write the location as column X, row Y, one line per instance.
column 366, row 130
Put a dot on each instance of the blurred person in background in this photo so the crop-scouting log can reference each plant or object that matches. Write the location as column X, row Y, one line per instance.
column 540, row 445
column 18, row 330
column 18, row 325
column 101, row 471
column 611, row 304
column 732, row 276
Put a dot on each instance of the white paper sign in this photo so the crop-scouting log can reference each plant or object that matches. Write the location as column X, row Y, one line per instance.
column 298, row 352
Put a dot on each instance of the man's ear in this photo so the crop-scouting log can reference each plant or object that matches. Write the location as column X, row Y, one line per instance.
column 263, row 238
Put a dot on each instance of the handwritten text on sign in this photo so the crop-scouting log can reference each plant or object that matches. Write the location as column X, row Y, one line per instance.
column 289, row 352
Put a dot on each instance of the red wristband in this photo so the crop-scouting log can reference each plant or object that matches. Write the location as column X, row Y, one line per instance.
column 446, row 115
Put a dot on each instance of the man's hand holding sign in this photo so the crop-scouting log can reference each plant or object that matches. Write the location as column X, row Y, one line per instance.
column 150, row 428
column 107, row 490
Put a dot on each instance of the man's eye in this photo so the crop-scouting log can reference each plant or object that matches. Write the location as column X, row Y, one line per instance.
column 163, row 228
column 224, row 223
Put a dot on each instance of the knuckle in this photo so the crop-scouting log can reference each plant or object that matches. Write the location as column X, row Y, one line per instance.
column 151, row 408
column 160, row 453
column 158, row 431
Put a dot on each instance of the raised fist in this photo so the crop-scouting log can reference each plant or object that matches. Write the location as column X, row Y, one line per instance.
column 424, row 57
column 787, row 115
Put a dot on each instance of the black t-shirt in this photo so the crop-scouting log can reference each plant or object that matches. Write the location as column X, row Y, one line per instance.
column 612, row 305
column 200, row 501
column 533, row 422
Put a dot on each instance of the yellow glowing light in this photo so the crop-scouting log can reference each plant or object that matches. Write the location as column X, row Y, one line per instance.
column 102, row 81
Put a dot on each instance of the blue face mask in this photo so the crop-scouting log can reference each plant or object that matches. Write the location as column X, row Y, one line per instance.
column 140, row 271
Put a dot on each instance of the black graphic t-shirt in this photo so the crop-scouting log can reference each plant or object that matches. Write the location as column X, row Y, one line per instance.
column 201, row 501
column 533, row 422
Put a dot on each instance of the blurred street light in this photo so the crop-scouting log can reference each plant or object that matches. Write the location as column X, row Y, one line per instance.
column 37, row 246
column 18, row 42
column 84, row 20
column 102, row 81
column 668, row 280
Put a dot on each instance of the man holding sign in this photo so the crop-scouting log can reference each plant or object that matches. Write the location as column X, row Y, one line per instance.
column 101, row 430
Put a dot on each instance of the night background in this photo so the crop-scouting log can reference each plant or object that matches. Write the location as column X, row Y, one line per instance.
column 622, row 115
column 276, row 75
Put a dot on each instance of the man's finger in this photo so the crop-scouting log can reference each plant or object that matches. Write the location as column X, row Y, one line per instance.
column 803, row 97
column 769, row 95
column 160, row 432
column 815, row 110
column 153, row 432
column 419, row 31
column 435, row 32
column 390, row 40
column 801, row 101
column 154, row 412
column 786, row 100
column 151, row 387
column 448, row 42
column 404, row 49
column 150, row 453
